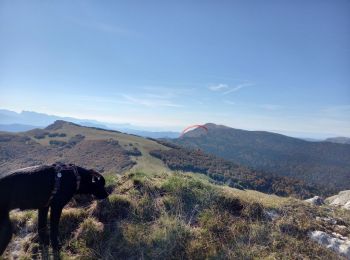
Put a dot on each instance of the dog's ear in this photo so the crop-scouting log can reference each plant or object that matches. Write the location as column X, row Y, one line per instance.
column 95, row 179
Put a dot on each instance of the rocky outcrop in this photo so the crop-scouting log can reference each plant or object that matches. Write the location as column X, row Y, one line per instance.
column 342, row 199
column 336, row 242
column 317, row 201
column 333, row 233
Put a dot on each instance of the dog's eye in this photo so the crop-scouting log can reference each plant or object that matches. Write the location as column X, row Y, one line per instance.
column 95, row 178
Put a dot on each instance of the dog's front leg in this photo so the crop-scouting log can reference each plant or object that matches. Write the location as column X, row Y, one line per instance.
column 42, row 226
column 5, row 230
column 54, row 222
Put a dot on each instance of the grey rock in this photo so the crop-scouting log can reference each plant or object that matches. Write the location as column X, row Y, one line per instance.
column 317, row 201
column 334, row 241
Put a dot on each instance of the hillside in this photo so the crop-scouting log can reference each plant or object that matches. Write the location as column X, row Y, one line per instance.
column 184, row 216
column 114, row 152
column 105, row 150
column 321, row 163
column 233, row 175
column 158, row 209
column 338, row 140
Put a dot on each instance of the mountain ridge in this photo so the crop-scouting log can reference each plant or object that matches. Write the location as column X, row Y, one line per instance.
column 113, row 151
column 26, row 120
column 338, row 140
column 322, row 163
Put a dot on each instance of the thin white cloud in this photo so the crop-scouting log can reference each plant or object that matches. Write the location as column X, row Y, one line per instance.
column 226, row 89
column 218, row 87
column 238, row 87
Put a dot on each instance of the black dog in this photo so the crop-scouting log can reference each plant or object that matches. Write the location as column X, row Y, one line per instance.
column 41, row 187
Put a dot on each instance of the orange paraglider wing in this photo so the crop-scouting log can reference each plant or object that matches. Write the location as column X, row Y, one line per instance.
column 193, row 126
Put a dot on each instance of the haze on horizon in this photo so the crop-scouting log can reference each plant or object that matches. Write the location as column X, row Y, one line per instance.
column 280, row 66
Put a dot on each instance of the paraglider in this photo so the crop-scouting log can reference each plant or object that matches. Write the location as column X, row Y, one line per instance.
column 193, row 127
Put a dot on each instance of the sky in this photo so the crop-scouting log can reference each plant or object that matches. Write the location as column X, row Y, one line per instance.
column 275, row 65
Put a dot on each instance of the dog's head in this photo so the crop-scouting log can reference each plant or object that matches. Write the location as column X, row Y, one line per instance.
column 98, row 185
column 93, row 183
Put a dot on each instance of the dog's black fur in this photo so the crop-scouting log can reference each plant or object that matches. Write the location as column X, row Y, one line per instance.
column 31, row 188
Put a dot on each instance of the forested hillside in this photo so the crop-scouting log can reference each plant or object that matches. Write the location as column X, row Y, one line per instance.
column 323, row 163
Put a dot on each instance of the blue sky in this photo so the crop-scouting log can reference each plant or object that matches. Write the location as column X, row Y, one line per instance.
column 261, row 65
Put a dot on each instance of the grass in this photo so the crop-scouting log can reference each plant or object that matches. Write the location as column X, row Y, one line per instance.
column 161, row 215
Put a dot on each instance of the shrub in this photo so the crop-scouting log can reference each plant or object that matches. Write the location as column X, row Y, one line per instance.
column 91, row 232
column 70, row 220
column 21, row 219
column 41, row 134
column 169, row 238
column 214, row 222
column 254, row 211
column 75, row 139
column 113, row 142
column 139, row 179
column 57, row 135
column 230, row 204
column 53, row 134
column 24, row 139
column 146, row 209
column 57, row 143
column 134, row 152
column 190, row 195
column 116, row 207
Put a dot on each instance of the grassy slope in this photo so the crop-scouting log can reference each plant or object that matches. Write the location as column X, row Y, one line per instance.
column 180, row 216
column 42, row 152
column 144, row 145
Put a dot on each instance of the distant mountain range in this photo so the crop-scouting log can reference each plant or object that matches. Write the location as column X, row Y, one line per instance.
column 115, row 152
column 339, row 140
column 166, row 201
column 322, row 163
column 11, row 121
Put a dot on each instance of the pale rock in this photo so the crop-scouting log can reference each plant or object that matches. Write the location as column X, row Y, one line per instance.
column 335, row 242
column 317, row 201
column 342, row 199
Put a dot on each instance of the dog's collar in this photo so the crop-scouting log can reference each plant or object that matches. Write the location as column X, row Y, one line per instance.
column 70, row 167
column 58, row 175
column 56, row 186
column 77, row 176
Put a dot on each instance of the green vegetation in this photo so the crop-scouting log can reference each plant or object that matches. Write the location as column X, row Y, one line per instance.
column 155, row 212
column 183, row 216
column 321, row 163
column 57, row 143
column 55, row 134
column 226, row 172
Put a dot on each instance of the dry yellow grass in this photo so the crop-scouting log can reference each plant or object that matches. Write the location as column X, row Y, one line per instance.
column 165, row 215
